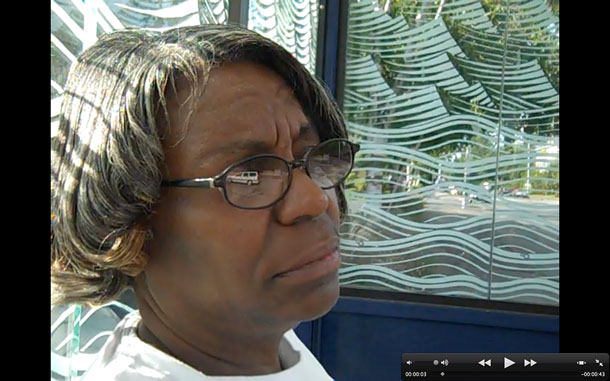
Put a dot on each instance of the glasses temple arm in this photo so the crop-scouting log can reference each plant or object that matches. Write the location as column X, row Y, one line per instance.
column 193, row 183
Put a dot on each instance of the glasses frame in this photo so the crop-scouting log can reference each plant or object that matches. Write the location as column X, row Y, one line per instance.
column 219, row 181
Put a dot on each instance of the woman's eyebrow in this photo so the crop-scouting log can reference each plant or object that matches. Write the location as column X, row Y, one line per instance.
column 244, row 145
column 252, row 145
column 307, row 130
column 256, row 146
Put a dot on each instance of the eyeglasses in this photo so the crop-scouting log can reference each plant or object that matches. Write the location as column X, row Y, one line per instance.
column 260, row 181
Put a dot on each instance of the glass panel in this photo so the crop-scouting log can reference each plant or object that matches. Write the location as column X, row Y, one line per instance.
column 291, row 23
column 455, row 191
column 65, row 341
column 78, row 333
column 75, row 25
column 526, row 235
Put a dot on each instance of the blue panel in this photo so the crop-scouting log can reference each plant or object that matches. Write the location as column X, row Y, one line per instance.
column 451, row 314
column 303, row 331
column 367, row 346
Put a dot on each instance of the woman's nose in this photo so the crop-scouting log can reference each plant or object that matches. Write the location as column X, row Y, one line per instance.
column 304, row 199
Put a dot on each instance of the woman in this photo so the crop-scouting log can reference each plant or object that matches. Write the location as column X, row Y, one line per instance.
column 150, row 123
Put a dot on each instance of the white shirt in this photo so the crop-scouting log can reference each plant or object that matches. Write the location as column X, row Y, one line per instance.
column 126, row 357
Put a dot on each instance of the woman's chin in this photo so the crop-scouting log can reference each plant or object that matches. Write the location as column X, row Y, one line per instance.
column 321, row 301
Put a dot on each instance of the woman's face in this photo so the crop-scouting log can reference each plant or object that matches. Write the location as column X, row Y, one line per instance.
column 208, row 258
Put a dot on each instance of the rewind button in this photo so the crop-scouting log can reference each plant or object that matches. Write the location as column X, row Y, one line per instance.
column 485, row 362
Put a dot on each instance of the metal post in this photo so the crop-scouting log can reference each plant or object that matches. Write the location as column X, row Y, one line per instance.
column 316, row 338
column 238, row 12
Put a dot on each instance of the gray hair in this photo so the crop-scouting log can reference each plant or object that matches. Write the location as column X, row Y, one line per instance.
column 106, row 158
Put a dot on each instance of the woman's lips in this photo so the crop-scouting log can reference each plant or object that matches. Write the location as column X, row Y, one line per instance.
column 318, row 268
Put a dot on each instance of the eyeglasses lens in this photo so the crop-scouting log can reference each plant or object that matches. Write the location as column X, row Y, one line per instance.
column 257, row 182
column 260, row 182
column 329, row 163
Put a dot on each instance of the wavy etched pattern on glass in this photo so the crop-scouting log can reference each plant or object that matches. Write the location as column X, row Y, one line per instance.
column 425, row 98
column 291, row 23
column 76, row 25
column 528, row 225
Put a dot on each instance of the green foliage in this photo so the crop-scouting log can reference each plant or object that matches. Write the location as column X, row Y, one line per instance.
column 356, row 181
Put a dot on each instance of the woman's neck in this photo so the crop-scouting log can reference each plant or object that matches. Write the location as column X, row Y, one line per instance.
column 212, row 347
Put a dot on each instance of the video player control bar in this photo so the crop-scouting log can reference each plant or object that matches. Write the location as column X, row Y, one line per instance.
column 504, row 366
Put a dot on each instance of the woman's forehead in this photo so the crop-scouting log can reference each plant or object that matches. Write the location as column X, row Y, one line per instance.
column 241, row 101
column 242, row 79
column 238, row 88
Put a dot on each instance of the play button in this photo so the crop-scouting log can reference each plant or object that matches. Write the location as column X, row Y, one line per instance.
column 507, row 362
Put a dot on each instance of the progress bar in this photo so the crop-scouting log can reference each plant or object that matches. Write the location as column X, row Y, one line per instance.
column 504, row 366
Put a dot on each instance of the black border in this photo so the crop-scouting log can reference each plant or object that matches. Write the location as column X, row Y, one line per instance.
column 583, row 269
